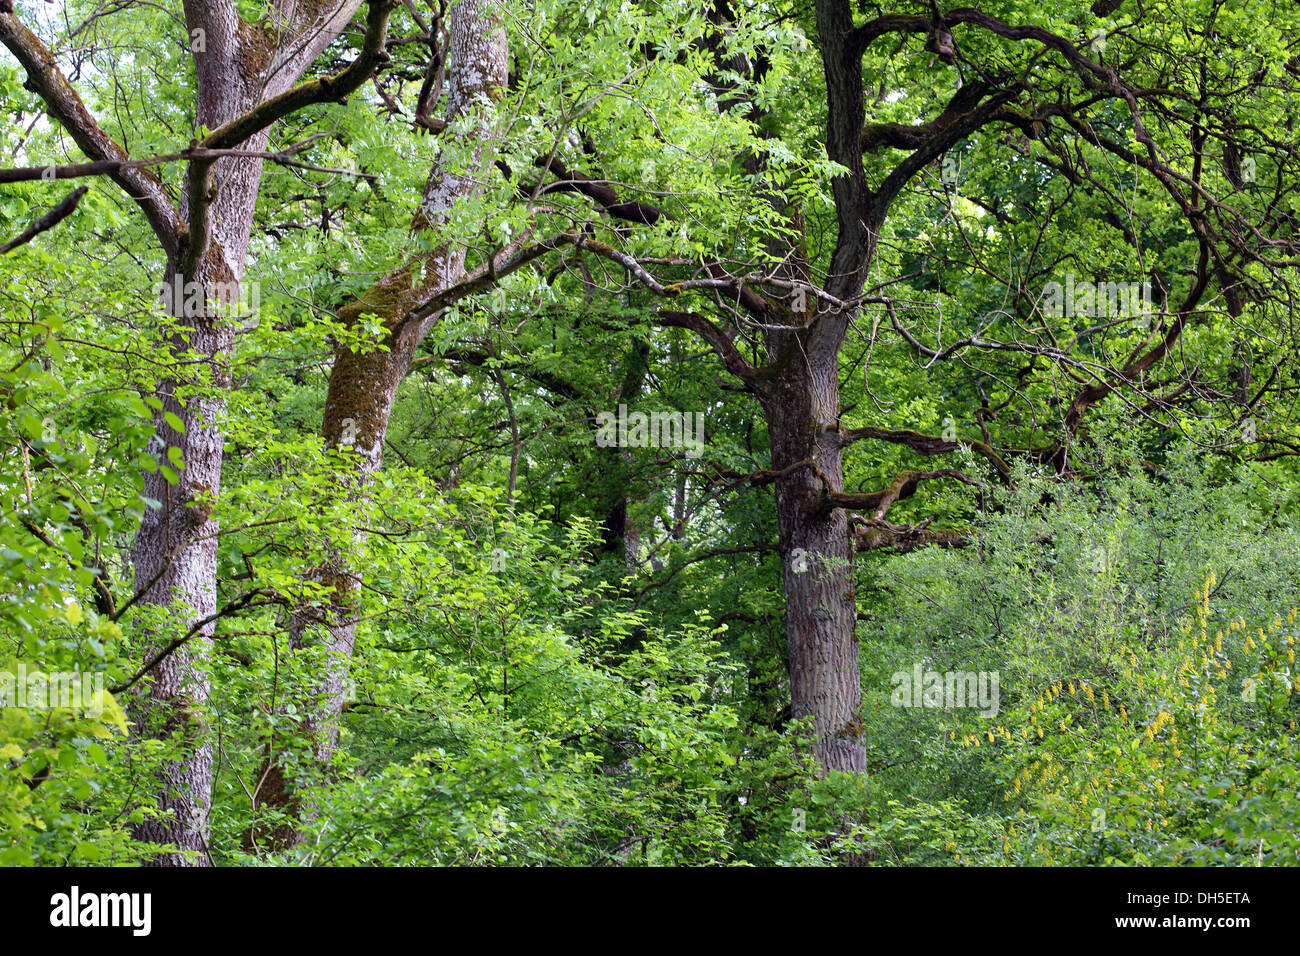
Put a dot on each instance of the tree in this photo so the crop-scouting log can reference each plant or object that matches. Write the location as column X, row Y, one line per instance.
column 1023, row 84
column 364, row 381
column 245, row 80
column 986, row 316
column 801, row 304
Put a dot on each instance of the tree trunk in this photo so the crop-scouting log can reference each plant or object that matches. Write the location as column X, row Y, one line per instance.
column 175, row 550
column 817, row 556
column 363, row 388
column 175, row 559
column 802, row 405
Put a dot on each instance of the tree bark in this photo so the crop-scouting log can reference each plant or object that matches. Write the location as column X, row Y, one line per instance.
column 363, row 387
column 817, row 559
column 175, row 550
column 801, row 400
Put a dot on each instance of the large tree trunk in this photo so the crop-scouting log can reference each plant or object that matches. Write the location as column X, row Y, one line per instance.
column 175, row 558
column 175, row 550
column 802, row 406
column 821, row 614
column 363, row 387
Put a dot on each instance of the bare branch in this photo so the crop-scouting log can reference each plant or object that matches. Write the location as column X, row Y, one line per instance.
column 904, row 485
column 47, row 81
column 48, row 221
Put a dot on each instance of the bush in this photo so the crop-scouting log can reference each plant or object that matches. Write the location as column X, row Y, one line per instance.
column 1144, row 633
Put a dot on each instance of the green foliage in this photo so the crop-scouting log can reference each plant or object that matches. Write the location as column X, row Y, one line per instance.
column 1144, row 635
column 568, row 654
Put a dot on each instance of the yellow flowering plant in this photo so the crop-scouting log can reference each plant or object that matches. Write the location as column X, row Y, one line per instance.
column 1186, row 757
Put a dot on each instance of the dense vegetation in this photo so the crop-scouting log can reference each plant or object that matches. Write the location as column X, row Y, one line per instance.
column 350, row 433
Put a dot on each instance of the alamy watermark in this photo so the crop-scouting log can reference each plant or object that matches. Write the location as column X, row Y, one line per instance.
column 73, row 690
column 651, row 430
column 236, row 300
column 1096, row 299
column 75, row 909
column 947, row 690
